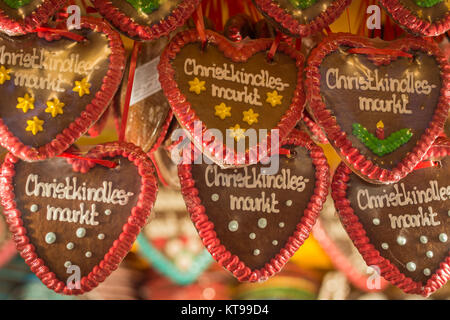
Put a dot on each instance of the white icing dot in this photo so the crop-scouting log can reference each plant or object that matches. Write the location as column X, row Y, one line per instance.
column 262, row 223
column 443, row 237
column 252, row 236
column 256, row 252
column 376, row 221
column 281, row 224
column 101, row 236
column 275, row 242
column 107, row 212
column 289, row 203
column 215, row 197
column 67, row 264
column 426, row 271
column 81, row 232
column 70, row 246
column 401, row 240
column 423, row 239
column 411, row 266
column 34, row 208
column 233, row 226
column 430, row 254
column 385, row 246
column 448, row 213
column 50, row 237
column 88, row 254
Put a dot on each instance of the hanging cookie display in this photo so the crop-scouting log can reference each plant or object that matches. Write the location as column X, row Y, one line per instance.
column 235, row 89
column 420, row 17
column 146, row 19
column 381, row 104
column 402, row 228
column 252, row 220
column 74, row 228
column 301, row 18
column 18, row 17
column 53, row 91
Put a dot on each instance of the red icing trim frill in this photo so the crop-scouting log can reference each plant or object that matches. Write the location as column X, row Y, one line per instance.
column 164, row 27
column 184, row 112
column 137, row 219
column 288, row 24
column 409, row 20
column 232, row 262
column 371, row 255
column 338, row 138
column 91, row 113
column 38, row 17
column 163, row 133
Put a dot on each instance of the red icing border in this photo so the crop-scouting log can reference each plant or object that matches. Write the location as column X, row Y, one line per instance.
column 39, row 16
column 291, row 26
column 232, row 262
column 177, row 18
column 91, row 113
column 98, row 127
column 163, row 134
column 137, row 219
column 237, row 53
column 371, row 255
column 324, row 117
column 409, row 21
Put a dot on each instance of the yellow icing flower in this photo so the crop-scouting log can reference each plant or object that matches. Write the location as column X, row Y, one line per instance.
column 82, row 87
column 250, row 117
column 222, row 111
column 274, row 98
column 237, row 132
column 197, row 86
column 4, row 74
column 26, row 103
column 55, row 107
column 35, row 125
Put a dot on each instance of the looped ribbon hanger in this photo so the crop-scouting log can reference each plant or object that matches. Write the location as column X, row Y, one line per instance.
column 200, row 25
column 427, row 164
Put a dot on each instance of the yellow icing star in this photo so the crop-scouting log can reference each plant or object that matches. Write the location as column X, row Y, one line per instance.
column 222, row 111
column 55, row 107
column 250, row 117
column 35, row 125
column 273, row 98
column 237, row 132
column 4, row 74
column 197, row 86
column 26, row 103
column 82, row 87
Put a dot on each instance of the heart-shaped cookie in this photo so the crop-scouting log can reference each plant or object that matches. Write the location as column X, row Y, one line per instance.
column 21, row 16
column 233, row 89
column 402, row 228
column 146, row 19
column 55, row 90
column 252, row 222
column 301, row 18
column 170, row 241
column 74, row 228
column 381, row 104
column 421, row 17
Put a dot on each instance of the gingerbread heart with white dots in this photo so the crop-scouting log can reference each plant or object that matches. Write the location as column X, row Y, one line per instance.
column 74, row 228
column 403, row 228
column 55, row 90
column 252, row 222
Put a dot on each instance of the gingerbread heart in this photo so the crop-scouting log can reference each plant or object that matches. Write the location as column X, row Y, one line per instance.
column 301, row 18
column 55, row 90
column 18, row 17
column 74, row 228
column 235, row 89
column 146, row 19
column 381, row 104
column 421, row 17
column 252, row 222
column 402, row 228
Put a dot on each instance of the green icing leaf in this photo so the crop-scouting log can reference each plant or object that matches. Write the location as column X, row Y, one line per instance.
column 302, row 4
column 427, row 3
column 146, row 6
column 16, row 4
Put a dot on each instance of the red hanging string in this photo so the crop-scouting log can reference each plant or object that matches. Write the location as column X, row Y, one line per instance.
column 348, row 20
column 328, row 30
column 298, row 44
column 158, row 171
column 284, row 151
column 274, row 47
column 200, row 24
column 63, row 32
column 126, row 106
column 426, row 164
column 379, row 51
column 106, row 163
